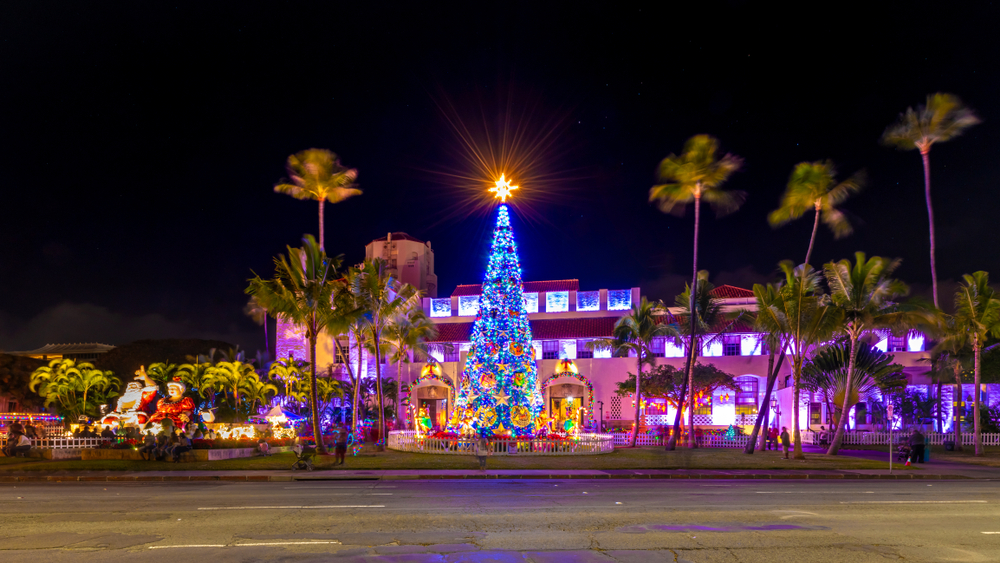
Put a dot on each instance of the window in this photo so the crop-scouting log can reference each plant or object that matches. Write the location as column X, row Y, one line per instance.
column 557, row 301
column 619, row 299
column 658, row 347
column 581, row 350
column 338, row 357
column 550, row 349
column 441, row 307
column 788, row 381
column 704, row 406
column 860, row 414
column 897, row 343
column 531, row 302
column 451, row 354
column 815, row 414
column 588, row 300
column 746, row 395
column 731, row 345
column 468, row 305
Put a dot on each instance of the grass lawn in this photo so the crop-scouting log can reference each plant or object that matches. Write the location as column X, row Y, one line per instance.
column 622, row 458
column 991, row 454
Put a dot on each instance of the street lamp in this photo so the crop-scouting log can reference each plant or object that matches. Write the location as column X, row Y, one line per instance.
column 777, row 410
column 600, row 418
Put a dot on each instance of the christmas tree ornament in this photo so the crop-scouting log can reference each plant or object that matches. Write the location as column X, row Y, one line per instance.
column 502, row 397
column 520, row 416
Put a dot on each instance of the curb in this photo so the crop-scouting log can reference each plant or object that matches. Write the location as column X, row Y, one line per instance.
column 289, row 478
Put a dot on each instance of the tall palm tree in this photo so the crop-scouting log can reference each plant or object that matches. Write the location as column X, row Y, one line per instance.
column 976, row 318
column 770, row 323
column 408, row 332
column 696, row 174
column 383, row 297
column 941, row 119
column 813, row 186
column 302, row 291
column 234, row 377
column 866, row 294
column 317, row 174
column 809, row 319
column 634, row 333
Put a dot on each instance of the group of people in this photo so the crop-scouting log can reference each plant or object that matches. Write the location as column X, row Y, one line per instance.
column 18, row 439
column 167, row 444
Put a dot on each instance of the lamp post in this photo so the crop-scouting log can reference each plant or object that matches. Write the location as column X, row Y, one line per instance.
column 777, row 411
column 600, row 419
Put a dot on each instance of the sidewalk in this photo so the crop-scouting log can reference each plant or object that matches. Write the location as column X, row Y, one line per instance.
column 927, row 472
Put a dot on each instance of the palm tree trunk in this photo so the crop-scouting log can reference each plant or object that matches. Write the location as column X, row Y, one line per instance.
column 694, row 290
column 925, row 155
column 812, row 238
column 764, row 412
column 838, row 436
column 357, row 392
column 399, row 388
column 977, row 353
column 672, row 441
column 797, row 375
column 314, row 408
column 322, row 203
column 957, row 407
column 940, row 407
column 378, row 386
column 638, row 402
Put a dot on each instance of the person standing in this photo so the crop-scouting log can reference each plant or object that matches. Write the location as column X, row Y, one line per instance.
column 772, row 438
column 482, row 450
column 786, row 441
column 916, row 447
column 341, row 447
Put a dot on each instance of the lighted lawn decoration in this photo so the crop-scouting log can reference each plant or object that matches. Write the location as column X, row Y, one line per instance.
column 497, row 393
column 133, row 404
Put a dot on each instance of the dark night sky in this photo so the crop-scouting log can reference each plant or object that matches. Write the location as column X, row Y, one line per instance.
column 139, row 143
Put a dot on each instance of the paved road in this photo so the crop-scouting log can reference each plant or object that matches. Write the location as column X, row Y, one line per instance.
column 502, row 521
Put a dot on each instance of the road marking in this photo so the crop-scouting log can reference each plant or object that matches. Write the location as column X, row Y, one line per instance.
column 336, row 542
column 990, row 532
column 913, row 502
column 340, row 488
column 292, row 507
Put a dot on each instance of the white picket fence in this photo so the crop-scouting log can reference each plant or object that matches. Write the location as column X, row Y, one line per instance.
column 882, row 438
column 63, row 443
column 705, row 441
column 585, row 444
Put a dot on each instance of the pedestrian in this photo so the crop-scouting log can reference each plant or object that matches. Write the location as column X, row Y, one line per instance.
column 916, row 447
column 341, row 446
column 148, row 446
column 824, row 440
column 483, row 450
column 182, row 444
column 772, row 438
column 786, row 441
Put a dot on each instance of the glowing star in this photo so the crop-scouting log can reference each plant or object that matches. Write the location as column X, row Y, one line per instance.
column 502, row 398
column 503, row 189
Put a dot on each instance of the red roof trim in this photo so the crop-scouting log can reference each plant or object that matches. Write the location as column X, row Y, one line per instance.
column 730, row 292
column 529, row 287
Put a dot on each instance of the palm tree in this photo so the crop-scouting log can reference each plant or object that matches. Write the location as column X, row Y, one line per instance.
column 813, row 186
column 408, row 332
column 234, row 377
column 635, row 333
column 695, row 175
column 289, row 372
column 941, row 119
column 162, row 372
column 977, row 316
column 317, row 174
column 383, row 297
column 809, row 319
column 769, row 322
column 257, row 391
column 73, row 386
column 866, row 294
column 952, row 355
column 302, row 292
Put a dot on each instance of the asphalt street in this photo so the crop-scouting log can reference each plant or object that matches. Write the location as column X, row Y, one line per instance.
column 626, row 521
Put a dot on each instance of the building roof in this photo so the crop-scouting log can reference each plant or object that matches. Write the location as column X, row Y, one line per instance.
column 729, row 292
column 76, row 348
column 529, row 287
column 545, row 329
column 399, row 236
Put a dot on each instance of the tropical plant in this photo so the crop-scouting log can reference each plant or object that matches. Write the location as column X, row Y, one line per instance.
column 256, row 391
column 952, row 357
column 695, row 175
column 383, row 298
column 867, row 296
column 813, row 186
column 874, row 376
column 976, row 318
column 941, row 119
column 808, row 319
column 317, row 174
column 302, row 291
column 635, row 332
column 193, row 375
column 408, row 332
column 236, row 377
column 289, row 371
column 73, row 388
column 670, row 383
column 770, row 323
column 162, row 373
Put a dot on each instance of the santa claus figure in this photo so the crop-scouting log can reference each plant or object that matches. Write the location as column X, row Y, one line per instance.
column 132, row 406
column 174, row 406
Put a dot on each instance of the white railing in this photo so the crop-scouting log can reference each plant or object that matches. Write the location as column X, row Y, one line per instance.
column 705, row 441
column 585, row 444
column 62, row 443
column 902, row 436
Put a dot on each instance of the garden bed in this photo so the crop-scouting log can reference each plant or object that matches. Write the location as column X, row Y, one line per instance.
column 193, row 455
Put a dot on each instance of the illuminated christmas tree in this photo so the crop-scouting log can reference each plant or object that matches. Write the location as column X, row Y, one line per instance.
column 497, row 389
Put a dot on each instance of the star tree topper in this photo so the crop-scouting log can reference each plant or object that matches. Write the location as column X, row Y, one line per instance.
column 502, row 189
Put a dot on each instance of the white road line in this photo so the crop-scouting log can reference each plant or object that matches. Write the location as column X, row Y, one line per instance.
column 990, row 532
column 334, row 487
column 336, row 542
column 292, row 507
column 913, row 502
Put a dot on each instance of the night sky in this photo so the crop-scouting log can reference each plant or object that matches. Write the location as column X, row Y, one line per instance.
column 139, row 143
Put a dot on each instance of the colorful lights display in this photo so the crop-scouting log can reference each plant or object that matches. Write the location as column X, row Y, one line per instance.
column 497, row 392
column 566, row 368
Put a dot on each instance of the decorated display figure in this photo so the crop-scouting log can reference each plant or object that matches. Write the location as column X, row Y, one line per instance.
column 175, row 406
column 133, row 406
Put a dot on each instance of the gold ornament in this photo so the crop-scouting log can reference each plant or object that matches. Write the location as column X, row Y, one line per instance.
column 487, row 380
column 520, row 416
column 502, row 398
column 487, row 417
